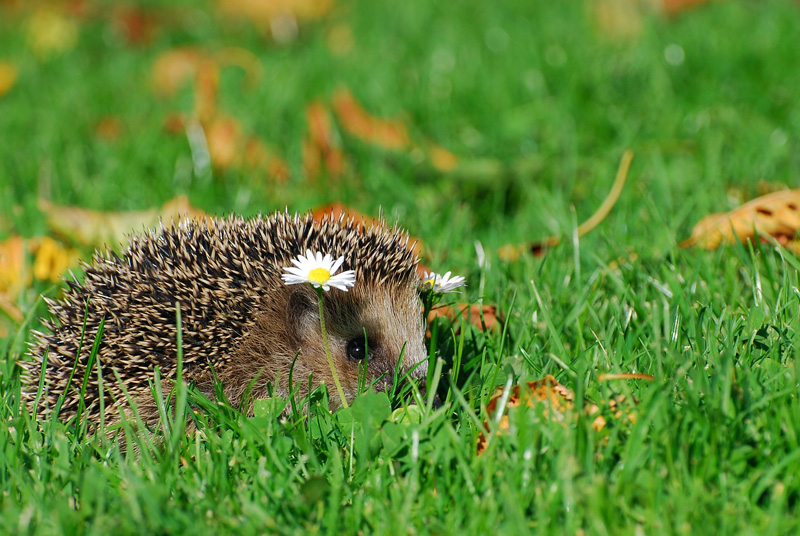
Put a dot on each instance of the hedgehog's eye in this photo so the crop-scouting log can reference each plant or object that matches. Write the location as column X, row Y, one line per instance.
column 357, row 348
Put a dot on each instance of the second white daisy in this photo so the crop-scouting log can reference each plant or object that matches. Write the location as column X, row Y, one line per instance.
column 319, row 271
column 442, row 284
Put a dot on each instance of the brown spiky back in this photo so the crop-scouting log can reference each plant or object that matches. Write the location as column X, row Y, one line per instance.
column 219, row 271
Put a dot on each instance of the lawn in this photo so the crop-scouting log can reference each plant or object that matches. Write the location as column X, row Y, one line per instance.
column 502, row 123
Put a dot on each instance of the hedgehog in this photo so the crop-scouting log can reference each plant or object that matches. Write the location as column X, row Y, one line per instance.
column 241, row 325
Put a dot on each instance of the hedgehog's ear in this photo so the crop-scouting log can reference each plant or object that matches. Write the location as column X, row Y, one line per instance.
column 301, row 309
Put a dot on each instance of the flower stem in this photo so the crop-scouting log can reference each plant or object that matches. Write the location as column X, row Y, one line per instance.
column 328, row 350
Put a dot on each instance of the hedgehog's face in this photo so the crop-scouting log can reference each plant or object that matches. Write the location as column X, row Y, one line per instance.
column 374, row 332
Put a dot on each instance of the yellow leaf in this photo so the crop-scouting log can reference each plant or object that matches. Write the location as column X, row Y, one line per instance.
column 51, row 33
column 776, row 214
column 8, row 77
column 52, row 260
column 98, row 229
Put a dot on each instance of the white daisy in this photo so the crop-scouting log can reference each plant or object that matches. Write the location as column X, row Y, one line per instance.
column 442, row 284
column 319, row 271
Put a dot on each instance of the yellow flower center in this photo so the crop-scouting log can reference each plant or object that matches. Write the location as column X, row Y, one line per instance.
column 319, row 275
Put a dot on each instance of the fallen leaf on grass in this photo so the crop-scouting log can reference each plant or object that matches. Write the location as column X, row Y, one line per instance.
column 617, row 408
column 13, row 273
column 557, row 403
column 51, row 259
column 619, row 19
column 51, row 32
column 776, row 215
column 321, row 148
column 174, row 68
column 8, row 76
column 109, row 128
column 480, row 316
column 136, row 25
column 442, row 159
column 281, row 18
column 225, row 140
column 95, row 228
column 389, row 134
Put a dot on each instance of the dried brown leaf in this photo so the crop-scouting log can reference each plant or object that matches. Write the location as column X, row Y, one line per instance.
column 136, row 25
column 477, row 315
column 776, row 215
column 555, row 399
column 558, row 405
column 109, row 128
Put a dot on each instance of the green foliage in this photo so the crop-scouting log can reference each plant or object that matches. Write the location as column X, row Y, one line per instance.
column 540, row 123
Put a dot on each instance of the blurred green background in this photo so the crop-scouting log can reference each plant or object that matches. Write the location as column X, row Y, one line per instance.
column 537, row 100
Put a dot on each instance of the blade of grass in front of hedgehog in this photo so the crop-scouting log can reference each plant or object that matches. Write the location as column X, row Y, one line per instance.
column 133, row 436
column 83, row 423
column 161, row 405
column 179, row 423
column 62, row 396
column 40, row 388
column 292, row 389
column 101, row 399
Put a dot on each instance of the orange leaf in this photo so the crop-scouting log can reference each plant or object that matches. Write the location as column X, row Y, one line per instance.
column 137, row 26
column 14, row 276
column 321, row 147
column 776, row 215
column 558, row 404
column 475, row 314
column 173, row 68
column 556, row 400
column 108, row 128
column 618, row 407
column 8, row 77
column 225, row 140
column 357, row 122
column 13, row 273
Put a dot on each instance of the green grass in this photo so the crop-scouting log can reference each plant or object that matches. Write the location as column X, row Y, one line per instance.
column 715, row 446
